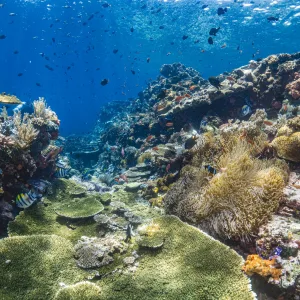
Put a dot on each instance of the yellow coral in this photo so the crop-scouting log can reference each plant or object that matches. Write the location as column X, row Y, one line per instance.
column 288, row 147
column 263, row 267
column 25, row 133
column 144, row 156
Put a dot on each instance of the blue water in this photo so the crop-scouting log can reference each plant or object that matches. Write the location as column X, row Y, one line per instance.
column 80, row 51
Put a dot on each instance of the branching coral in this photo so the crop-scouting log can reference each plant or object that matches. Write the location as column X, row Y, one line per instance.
column 264, row 267
column 25, row 133
column 42, row 113
column 4, row 114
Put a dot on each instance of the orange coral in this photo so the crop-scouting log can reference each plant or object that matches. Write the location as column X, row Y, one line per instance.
column 263, row 267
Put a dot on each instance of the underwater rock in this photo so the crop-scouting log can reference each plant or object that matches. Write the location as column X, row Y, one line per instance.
column 37, row 264
column 81, row 290
column 98, row 252
column 6, row 215
column 79, row 208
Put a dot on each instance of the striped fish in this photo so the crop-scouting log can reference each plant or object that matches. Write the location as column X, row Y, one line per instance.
column 25, row 200
column 61, row 172
column 210, row 169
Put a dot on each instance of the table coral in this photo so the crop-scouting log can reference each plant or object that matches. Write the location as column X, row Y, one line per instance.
column 33, row 266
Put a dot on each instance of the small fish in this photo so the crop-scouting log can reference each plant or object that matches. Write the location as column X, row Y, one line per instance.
column 123, row 152
column 105, row 5
column 204, row 6
column 210, row 40
column 268, row 123
column 185, row 37
column 223, row 46
column 16, row 52
column 214, row 81
column 25, row 200
column 168, row 167
column 246, row 110
column 213, row 31
column 132, row 29
column 124, row 177
column 91, row 17
column 161, row 27
column 53, row 40
column 12, row 14
column 20, row 74
column 2, row 37
column 149, row 138
column 61, row 172
column 129, row 232
column 49, row 68
column 169, row 124
column 133, row 72
column 104, row 82
column 272, row 19
column 210, row 169
column 148, row 59
column 38, row 84
column 155, row 148
column 193, row 87
column 115, row 51
column 221, row 11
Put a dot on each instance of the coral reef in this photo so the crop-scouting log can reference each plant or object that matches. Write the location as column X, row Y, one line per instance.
column 214, row 155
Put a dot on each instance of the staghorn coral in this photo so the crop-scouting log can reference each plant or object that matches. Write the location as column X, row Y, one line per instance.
column 24, row 131
column 236, row 201
column 264, row 267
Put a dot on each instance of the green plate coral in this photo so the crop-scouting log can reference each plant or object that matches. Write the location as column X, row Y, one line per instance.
column 79, row 291
column 190, row 265
column 33, row 267
column 80, row 208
